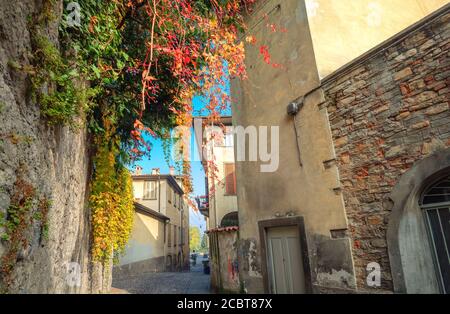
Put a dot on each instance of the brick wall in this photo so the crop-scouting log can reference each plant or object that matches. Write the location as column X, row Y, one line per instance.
column 387, row 111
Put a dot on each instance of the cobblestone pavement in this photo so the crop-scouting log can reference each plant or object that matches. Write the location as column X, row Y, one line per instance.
column 193, row 282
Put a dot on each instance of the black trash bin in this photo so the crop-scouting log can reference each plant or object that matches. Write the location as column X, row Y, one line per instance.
column 206, row 268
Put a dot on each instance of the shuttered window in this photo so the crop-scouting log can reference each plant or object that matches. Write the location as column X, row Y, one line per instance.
column 150, row 190
column 230, row 179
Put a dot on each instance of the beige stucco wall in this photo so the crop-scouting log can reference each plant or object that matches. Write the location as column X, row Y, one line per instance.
column 174, row 213
column 146, row 242
column 220, row 203
column 179, row 217
column 138, row 192
column 344, row 29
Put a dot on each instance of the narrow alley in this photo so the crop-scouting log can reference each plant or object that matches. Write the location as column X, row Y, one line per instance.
column 192, row 282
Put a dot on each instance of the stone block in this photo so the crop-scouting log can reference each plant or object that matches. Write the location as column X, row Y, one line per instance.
column 437, row 109
column 421, row 125
column 403, row 74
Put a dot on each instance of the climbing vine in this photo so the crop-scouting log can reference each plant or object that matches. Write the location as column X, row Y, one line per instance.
column 131, row 69
column 111, row 200
column 25, row 209
column 65, row 97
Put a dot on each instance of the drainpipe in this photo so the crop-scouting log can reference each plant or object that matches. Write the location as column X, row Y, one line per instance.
column 164, row 246
column 215, row 207
column 159, row 193
column 292, row 110
column 215, row 190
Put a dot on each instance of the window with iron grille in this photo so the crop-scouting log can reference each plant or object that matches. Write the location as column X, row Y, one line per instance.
column 436, row 205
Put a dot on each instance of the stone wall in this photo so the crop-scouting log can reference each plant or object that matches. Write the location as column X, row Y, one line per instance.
column 55, row 161
column 388, row 110
column 151, row 265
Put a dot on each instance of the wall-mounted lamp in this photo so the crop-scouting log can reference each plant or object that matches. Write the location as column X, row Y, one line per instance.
column 294, row 107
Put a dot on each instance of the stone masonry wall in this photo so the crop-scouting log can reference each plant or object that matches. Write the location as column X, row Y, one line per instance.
column 386, row 112
column 55, row 161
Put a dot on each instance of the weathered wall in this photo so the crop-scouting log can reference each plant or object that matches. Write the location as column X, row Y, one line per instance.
column 303, row 185
column 54, row 160
column 224, row 261
column 220, row 204
column 366, row 22
column 388, row 111
column 152, row 265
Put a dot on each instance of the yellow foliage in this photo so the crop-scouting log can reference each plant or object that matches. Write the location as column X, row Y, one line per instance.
column 111, row 202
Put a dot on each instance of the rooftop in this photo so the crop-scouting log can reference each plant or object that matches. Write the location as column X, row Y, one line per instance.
column 155, row 177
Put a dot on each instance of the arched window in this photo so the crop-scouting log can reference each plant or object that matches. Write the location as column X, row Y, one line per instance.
column 230, row 220
column 435, row 202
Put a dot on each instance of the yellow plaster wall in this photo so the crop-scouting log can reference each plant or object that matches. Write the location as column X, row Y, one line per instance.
column 342, row 30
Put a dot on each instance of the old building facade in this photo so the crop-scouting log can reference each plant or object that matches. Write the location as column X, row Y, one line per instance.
column 362, row 185
column 219, row 206
column 160, row 236
column 218, row 147
column 390, row 122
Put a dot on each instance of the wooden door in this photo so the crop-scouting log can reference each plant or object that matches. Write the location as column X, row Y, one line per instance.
column 285, row 263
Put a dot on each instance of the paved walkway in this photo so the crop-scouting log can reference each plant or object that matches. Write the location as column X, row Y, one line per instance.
column 193, row 282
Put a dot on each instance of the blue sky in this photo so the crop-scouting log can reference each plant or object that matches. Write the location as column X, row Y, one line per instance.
column 157, row 160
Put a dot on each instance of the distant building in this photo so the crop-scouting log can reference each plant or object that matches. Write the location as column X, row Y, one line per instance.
column 160, row 237
column 219, row 205
column 220, row 202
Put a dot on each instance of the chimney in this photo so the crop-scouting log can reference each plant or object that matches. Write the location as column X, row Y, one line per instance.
column 155, row 171
column 138, row 171
column 172, row 170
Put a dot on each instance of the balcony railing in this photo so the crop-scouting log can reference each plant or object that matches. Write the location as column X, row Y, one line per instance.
column 202, row 203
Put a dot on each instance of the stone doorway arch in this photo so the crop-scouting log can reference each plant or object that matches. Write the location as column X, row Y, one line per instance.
column 410, row 252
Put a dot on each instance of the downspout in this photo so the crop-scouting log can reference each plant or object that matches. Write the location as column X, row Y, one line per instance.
column 292, row 110
column 159, row 194
column 214, row 185
column 164, row 246
column 180, row 236
column 215, row 206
